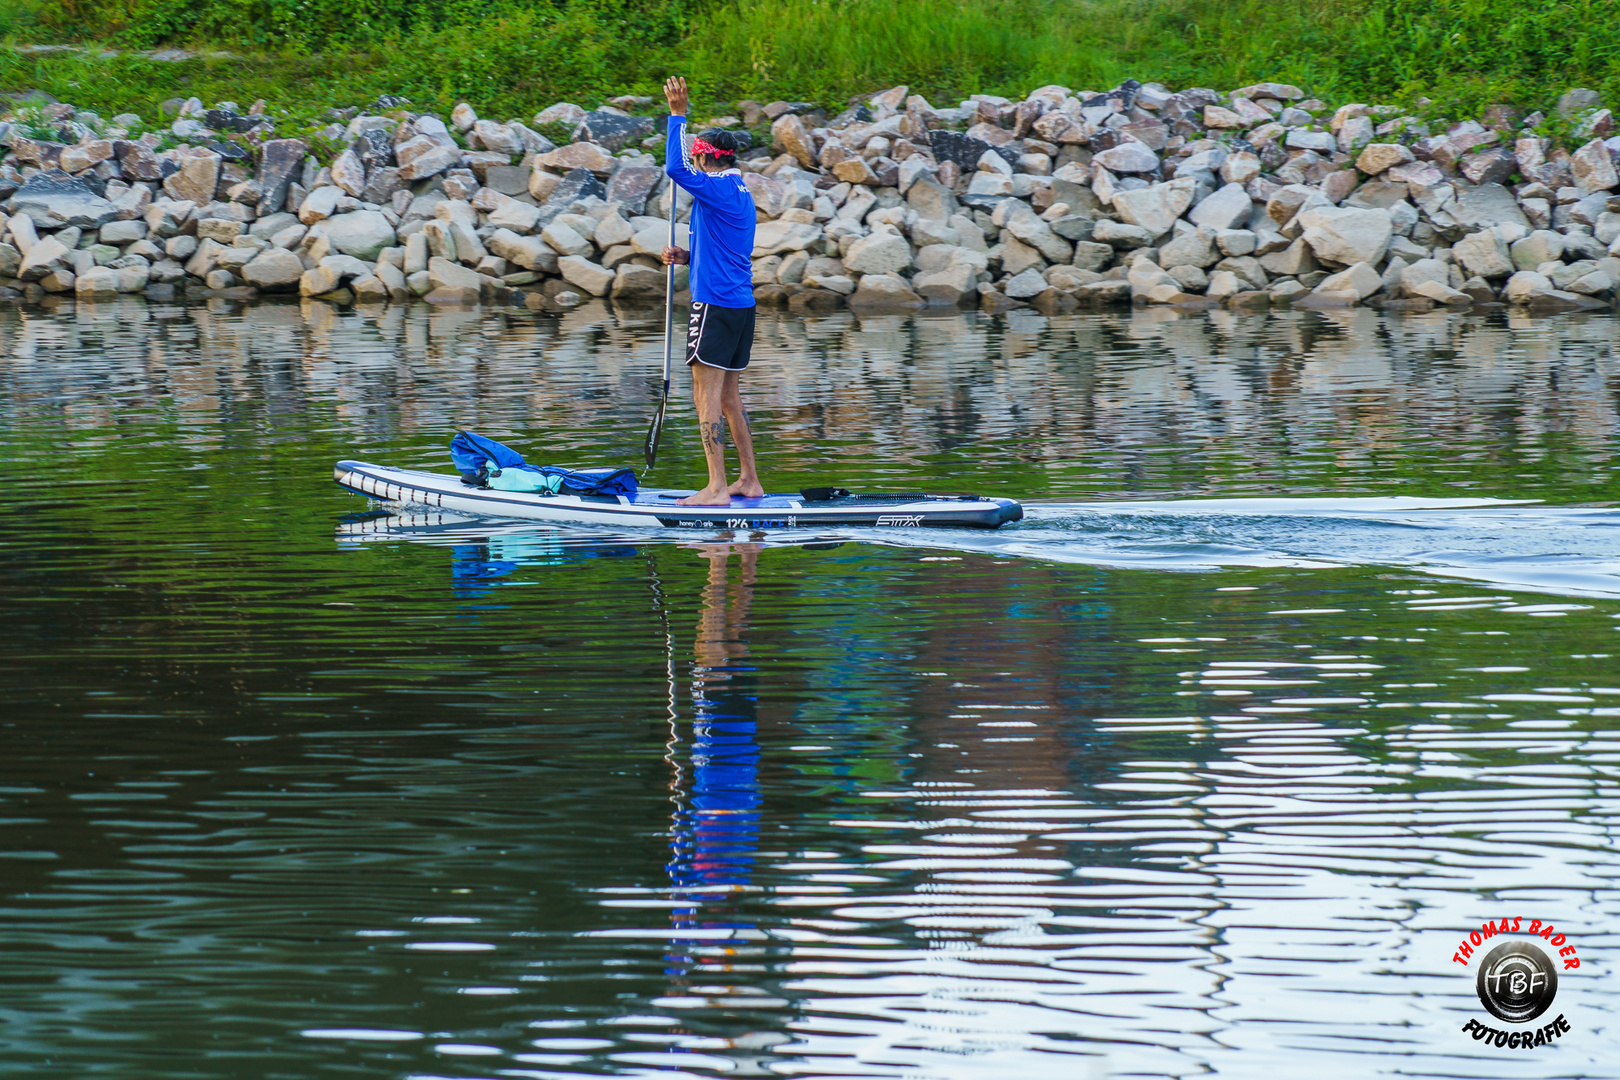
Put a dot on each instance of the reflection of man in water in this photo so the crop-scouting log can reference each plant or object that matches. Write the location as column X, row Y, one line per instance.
column 717, row 828
column 717, row 818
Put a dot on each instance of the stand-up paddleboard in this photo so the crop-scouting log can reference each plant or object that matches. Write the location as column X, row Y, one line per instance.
column 656, row 507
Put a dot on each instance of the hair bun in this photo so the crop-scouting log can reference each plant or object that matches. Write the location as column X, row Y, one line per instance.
column 728, row 143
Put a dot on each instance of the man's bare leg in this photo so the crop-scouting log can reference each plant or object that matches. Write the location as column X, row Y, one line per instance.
column 742, row 437
column 708, row 390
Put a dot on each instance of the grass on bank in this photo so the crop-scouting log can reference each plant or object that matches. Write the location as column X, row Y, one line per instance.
column 510, row 57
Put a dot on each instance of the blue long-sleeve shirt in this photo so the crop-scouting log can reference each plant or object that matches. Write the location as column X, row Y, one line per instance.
column 722, row 226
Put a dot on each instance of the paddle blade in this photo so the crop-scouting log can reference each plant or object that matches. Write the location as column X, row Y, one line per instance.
column 655, row 431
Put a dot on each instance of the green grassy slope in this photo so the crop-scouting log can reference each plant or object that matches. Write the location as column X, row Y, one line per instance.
column 509, row 57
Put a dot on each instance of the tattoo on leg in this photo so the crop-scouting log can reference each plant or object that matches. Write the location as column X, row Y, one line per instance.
column 714, row 434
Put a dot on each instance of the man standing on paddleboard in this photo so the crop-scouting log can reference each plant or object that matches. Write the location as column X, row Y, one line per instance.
column 720, row 326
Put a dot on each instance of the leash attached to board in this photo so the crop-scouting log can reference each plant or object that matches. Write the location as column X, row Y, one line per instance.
column 649, row 449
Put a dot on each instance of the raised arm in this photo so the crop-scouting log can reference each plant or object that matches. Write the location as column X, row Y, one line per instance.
column 675, row 163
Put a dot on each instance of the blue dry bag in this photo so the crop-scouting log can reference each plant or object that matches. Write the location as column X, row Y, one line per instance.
column 486, row 463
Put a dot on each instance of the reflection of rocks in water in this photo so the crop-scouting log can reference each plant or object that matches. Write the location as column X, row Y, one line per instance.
column 1153, row 400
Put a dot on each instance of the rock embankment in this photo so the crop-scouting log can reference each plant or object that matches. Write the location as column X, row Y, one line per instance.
column 1254, row 198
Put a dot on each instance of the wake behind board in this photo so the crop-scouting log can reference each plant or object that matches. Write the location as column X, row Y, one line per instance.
column 656, row 507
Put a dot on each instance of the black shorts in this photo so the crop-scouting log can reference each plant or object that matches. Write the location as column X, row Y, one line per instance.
column 719, row 337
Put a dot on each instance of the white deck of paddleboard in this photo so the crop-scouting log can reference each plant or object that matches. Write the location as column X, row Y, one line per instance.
column 658, row 507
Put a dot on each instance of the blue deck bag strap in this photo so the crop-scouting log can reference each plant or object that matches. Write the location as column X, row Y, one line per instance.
column 604, row 481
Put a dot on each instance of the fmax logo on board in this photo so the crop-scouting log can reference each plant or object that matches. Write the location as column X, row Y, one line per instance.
column 1516, row 980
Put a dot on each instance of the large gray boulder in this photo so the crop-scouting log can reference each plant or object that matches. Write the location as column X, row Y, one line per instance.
column 774, row 237
column 1017, row 256
column 928, row 232
column 507, row 179
column 789, row 136
column 363, row 233
column 137, row 161
column 1487, row 205
column 1541, row 302
column 1127, row 157
column 382, row 183
column 497, row 138
column 1593, row 168
column 1022, row 223
column 632, row 281
column 562, row 112
column 1287, row 202
column 1025, row 285
column 611, row 231
column 1542, row 245
column 393, row 279
column 1122, row 236
column 1195, row 247
column 1090, row 255
column 425, row 156
column 1376, row 158
column 947, row 285
column 442, row 273
column 583, row 155
column 932, row 199
column 1484, row 253
column 97, row 283
column 1347, row 235
column 46, row 257
column 576, row 184
column 565, row 240
column 1360, row 279
column 349, row 173
column 632, row 185
column 274, row 270
column 281, row 162
column 269, row 225
column 1156, row 207
column 1423, row 270
column 1071, row 186
column 320, row 204
column 53, row 200
column 879, row 253
column 1228, row 208
column 197, row 178
column 610, row 130
column 529, row 252
column 518, row 216
column 885, row 292
column 581, row 272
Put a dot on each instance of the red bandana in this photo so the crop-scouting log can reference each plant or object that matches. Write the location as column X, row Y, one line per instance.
column 701, row 147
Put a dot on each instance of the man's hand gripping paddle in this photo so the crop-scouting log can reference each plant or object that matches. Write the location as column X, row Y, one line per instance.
column 649, row 449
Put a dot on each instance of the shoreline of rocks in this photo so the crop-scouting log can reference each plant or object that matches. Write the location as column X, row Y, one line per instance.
column 1252, row 199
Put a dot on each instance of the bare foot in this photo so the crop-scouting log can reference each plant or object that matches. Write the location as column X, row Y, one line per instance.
column 709, row 496
column 748, row 489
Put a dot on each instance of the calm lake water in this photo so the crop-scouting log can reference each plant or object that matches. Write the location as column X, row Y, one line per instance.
column 1305, row 662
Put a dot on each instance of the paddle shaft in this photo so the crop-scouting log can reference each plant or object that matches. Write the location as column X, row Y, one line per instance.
column 655, row 431
column 669, row 289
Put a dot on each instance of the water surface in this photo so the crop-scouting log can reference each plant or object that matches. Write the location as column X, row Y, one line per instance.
column 1302, row 665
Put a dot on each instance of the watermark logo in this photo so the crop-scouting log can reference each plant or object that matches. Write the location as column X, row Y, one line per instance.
column 1517, row 980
